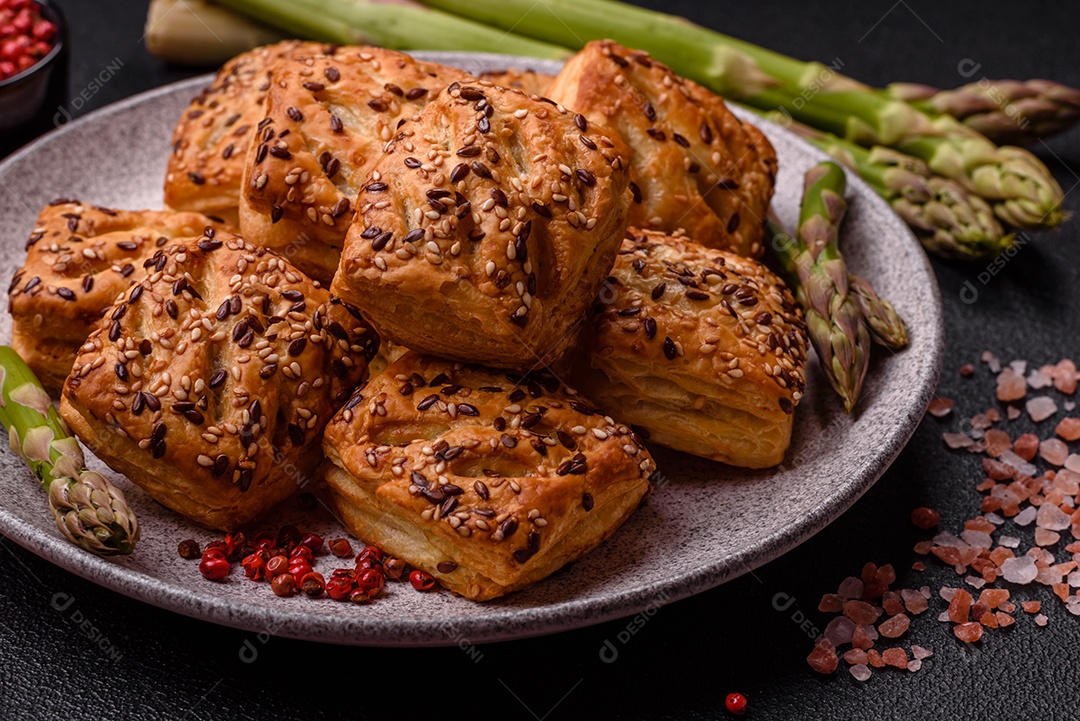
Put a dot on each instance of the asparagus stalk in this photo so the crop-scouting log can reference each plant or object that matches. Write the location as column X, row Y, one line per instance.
column 193, row 32
column 89, row 510
column 948, row 220
column 886, row 326
column 1020, row 188
column 834, row 315
column 394, row 26
column 1008, row 112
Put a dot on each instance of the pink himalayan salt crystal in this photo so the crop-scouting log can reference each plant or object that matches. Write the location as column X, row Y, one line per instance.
column 1011, row 459
column 997, row 442
column 1044, row 537
column 823, row 658
column 860, row 612
column 1018, row 366
column 1072, row 463
column 839, row 631
column 1012, row 412
column 1041, row 378
column 861, row 672
column 994, row 597
column 1031, row 606
column 914, row 601
column 1074, row 579
column 941, row 407
column 1068, row 482
column 1004, row 620
column 920, row 653
column 831, row 603
column 892, row 603
column 1069, row 428
column 968, row 632
column 991, row 361
column 1041, row 620
column 861, row 638
column 1041, row 407
column 914, row 665
column 873, row 657
column 1052, row 518
column 851, row 587
column 1026, row 516
column 977, row 539
column 975, row 581
column 1009, row 541
column 896, row 657
column 1026, row 446
column 1065, row 377
column 855, row 656
column 1021, row 570
column 1010, row 386
column 957, row 440
column 1069, row 405
column 943, row 616
column 1053, row 451
column 895, row 627
column 925, row 518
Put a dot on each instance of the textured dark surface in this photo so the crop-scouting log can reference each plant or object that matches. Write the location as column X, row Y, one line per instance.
column 152, row 664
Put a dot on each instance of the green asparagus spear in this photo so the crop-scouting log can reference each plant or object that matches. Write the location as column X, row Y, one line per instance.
column 950, row 221
column 89, row 510
column 394, row 26
column 1021, row 189
column 886, row 326
column 1008, row 112
column 834, row 316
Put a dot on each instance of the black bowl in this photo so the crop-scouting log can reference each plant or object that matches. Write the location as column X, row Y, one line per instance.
column 30, row 99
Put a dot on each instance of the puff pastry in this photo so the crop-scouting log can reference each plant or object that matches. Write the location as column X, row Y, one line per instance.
column 703, row 349
column 78, row 259
column 327, row 121
column 529, row 82
column 485, row 231
column 489, row 481
column 695, row 166
column 209, row 383
column 211, row 140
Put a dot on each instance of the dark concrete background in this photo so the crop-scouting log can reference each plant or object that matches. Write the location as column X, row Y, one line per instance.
column 682, row 662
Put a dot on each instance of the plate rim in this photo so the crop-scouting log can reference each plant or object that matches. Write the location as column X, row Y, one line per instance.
column 554, row 618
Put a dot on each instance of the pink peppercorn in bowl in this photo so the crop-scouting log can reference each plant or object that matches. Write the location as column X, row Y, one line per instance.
column 33, row 64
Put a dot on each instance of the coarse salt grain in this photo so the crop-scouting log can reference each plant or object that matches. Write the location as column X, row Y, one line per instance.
column 1041, row 407
column 941, row 407
column 1053, row 451
column 1010, row 386
column 861, row 672
column 1019, row 570
column 1052, row 518
column 1069, row 428
column 1041, row 620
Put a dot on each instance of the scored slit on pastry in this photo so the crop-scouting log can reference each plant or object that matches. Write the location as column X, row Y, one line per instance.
column 208, row 384
column 488, row 480
column 487, row 227
column 327, row 121
column 703, row 349
column 79, row 257
column 210, row 142
column 695, row 165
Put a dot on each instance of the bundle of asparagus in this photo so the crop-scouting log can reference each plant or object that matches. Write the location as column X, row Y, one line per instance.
column 89, row 510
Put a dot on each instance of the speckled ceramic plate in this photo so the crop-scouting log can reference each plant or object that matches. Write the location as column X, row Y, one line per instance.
column 705, row 524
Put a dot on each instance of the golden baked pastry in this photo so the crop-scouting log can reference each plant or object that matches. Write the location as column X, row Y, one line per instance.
column 211, row 140
column 703, row 349
column 78, row 259
column 209, row 383
column 488, row 481
column 327, row 121
column 695, row 166
column 529, row 82
column 487, row 228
